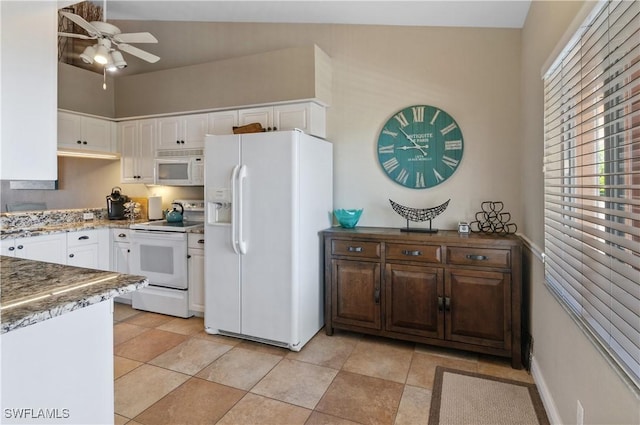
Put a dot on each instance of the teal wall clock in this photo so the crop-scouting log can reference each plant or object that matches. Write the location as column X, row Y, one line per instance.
column 420, row 147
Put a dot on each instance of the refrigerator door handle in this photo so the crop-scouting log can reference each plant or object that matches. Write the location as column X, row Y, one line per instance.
column 234, row 208
column 242, row 244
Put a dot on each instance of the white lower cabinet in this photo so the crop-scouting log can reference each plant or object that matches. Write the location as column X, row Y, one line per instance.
column 120, row 253
column 195, row 254
column 83, row 249
column 49, row 248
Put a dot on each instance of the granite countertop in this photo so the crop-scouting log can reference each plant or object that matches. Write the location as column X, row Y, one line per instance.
column 34, row 291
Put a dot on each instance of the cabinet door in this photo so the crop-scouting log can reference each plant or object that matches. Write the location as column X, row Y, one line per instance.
column 69, row 130
column 221, row 123
column 146, row 151
column 83, row 256
column 479, row 308
column 355, row 293
column 262, row 115
column 120, row 257
column 308, row 117
column 196, row 280
column 414, row 300
column 96, row 134
column 195, row 128
column 128, row 141
column 170, row 133
column 49, row 248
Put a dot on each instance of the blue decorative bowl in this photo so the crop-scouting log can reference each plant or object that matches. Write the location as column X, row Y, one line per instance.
column 348, row 218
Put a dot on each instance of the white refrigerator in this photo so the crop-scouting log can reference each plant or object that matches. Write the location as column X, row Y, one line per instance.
column 267, row 197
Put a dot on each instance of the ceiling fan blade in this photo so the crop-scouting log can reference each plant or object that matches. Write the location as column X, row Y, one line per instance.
column 73, row 35
column 138, row 52
column 135, row 37
column 79, row 20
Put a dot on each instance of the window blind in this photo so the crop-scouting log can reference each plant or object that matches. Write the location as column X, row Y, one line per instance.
column 592, row 179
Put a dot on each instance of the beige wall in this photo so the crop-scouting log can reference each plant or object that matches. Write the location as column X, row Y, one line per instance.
column 80, row 90
column 570, row 366
column 473, row 74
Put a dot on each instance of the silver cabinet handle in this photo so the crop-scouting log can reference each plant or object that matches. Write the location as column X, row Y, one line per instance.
column 355, row 249
column 477, row 257
column 411, row 253
column 83, row 238
column 71, row 255
column 20, row 246
column 11, row 248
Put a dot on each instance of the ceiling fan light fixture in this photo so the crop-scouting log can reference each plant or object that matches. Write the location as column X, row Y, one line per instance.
column 88, row 54
column 118, row 60
column 110, row 65
column 102, row 55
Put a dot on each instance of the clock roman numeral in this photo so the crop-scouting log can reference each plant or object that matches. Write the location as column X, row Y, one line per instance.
column 448, row 128
column 385, row 149
column 390, row 164
column 451, row 145
column 450, row 162
column 402, row 176
column 420, row 179
column 401, row 119
column 439, row 178
column 389, row 133
column 418, row 113
column 435, row 116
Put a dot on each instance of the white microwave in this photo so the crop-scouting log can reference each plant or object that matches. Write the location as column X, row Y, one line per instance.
column 179, row 167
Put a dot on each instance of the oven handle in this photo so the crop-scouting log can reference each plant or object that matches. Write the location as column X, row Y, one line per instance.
column 234, row 207
column 242, row 244
column 157, row 234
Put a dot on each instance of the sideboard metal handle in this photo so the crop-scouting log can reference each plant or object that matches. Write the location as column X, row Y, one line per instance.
column 83, row 238
column 355, row 249
column 411, row 253
column 200, row 240
column 477, row 257
column 376, row 296
column 447, row 304
column 440, row 303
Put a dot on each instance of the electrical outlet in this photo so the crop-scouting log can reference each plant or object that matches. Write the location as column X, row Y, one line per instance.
column 580, row 414
column 87, row 216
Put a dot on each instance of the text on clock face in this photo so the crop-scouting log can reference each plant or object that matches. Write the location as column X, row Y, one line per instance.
column 420, row 146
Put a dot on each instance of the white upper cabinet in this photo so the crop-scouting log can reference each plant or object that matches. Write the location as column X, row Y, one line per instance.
column 307, row 116
column 185, row 131
column 86, row 133
column 222, row 122
column 137, row 150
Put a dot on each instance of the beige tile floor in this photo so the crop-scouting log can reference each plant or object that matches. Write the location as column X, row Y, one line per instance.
column 169, row 371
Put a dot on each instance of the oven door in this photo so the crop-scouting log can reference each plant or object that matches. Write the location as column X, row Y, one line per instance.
column 161, row 257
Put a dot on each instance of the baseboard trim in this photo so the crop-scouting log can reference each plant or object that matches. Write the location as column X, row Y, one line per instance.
column 547, row 399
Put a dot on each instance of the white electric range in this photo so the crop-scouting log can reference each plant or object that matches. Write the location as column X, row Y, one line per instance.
column 159, row 252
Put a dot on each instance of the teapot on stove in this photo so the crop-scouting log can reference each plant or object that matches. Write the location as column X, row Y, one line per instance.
column 175, row 216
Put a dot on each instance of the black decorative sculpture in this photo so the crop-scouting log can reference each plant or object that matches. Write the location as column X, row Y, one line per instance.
column 419, row 214
column 492, row 220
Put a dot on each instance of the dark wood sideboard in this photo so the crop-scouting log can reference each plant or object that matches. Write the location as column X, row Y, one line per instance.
column 443, row 289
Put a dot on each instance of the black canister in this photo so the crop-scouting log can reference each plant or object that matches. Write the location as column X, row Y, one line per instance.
column 115, row 204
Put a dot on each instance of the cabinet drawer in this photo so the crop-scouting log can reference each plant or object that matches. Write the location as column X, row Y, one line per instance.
column 120, row 235
column 410, row 252
column 355, row 248
column 82, row 237
column 195, row 240
column 484, row 257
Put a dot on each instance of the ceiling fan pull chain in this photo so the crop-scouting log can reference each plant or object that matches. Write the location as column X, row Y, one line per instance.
column 104, row 78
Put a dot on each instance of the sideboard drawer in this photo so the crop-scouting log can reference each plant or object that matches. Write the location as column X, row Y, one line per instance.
column 483, row 257
column 355, row 248
column 411, row 252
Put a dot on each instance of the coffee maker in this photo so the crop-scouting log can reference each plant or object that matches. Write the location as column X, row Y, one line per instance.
column 115, row 204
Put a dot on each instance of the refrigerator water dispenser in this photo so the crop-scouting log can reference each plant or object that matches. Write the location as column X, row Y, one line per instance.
column 219, row 206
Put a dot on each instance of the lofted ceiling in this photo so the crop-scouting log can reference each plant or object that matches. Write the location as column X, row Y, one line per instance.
column 182, row 26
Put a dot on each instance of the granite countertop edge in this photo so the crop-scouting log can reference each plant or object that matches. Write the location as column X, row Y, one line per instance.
column 72, row 227
column 51, row 301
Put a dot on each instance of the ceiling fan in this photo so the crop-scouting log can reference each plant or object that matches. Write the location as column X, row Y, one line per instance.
column 109, row 41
